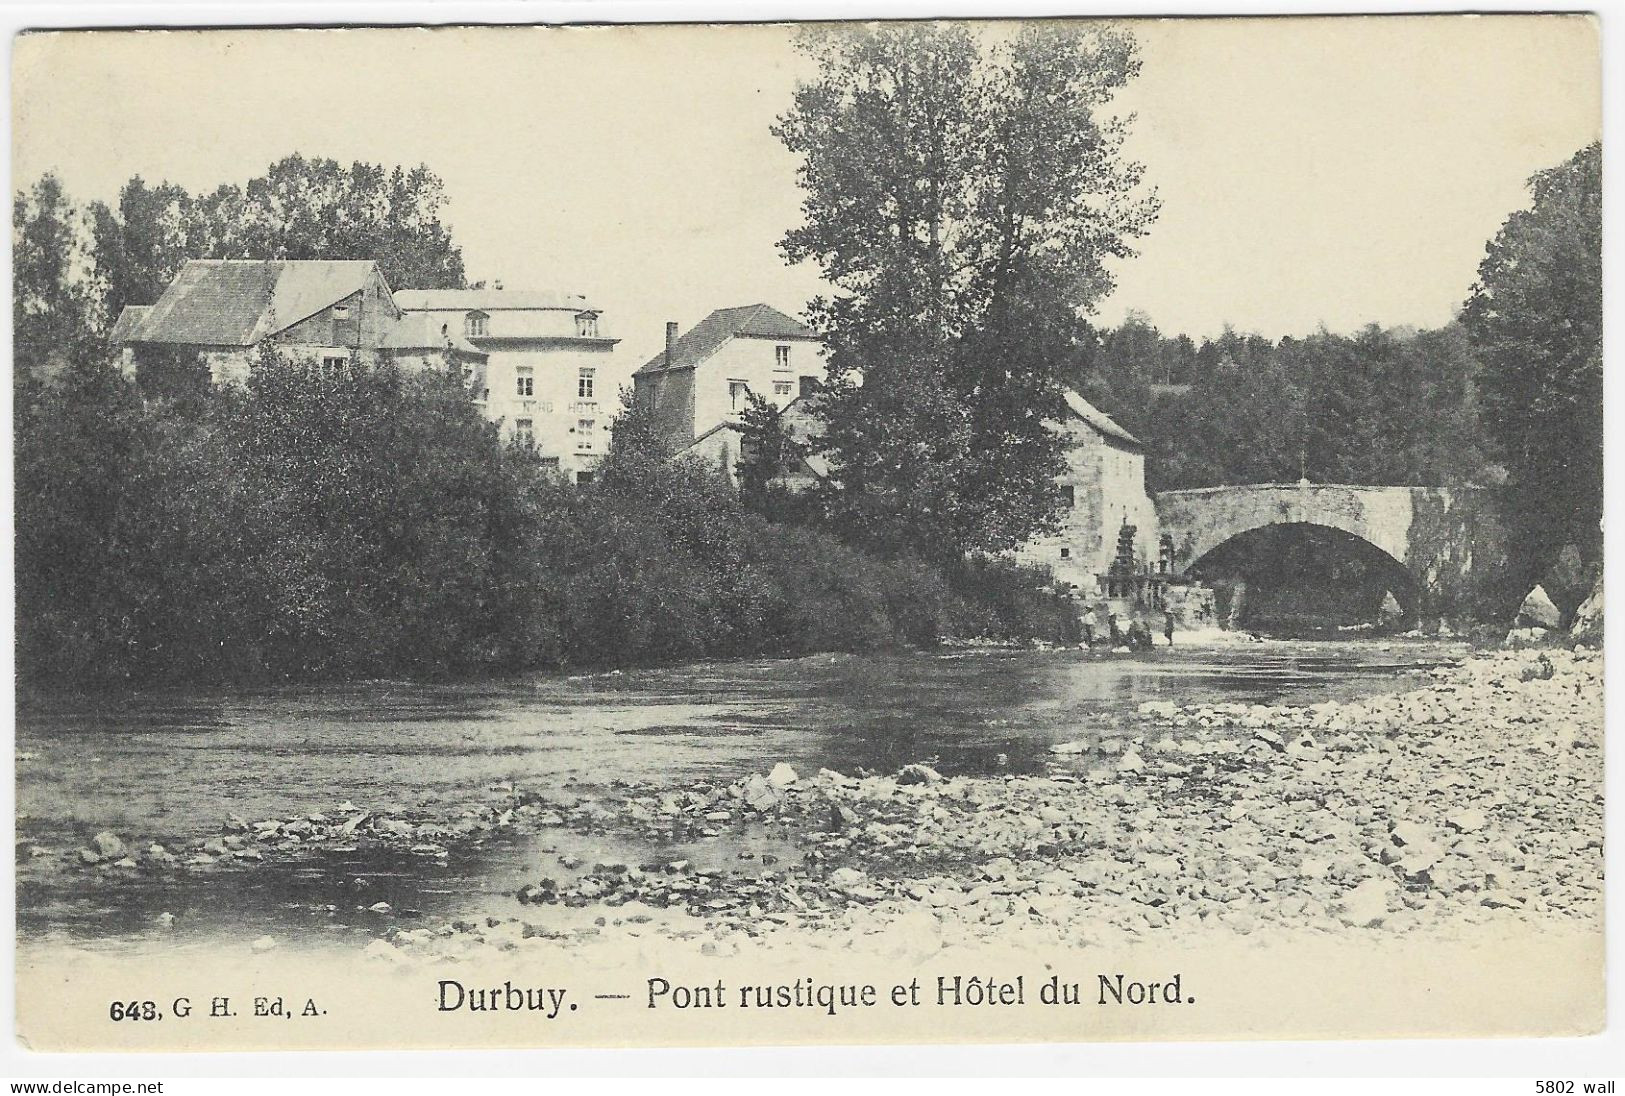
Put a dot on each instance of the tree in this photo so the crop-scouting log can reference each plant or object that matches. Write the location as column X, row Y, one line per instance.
column 769, row 451
column 299, row 209
column 962, row 194
column 1535, row 320
column 51, row 318
column 138, row 248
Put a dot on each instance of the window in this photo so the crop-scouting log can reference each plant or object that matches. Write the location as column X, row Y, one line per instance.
column 781, row 357
column 524, row 431
column 583, row 477
column 550, row 463
column 584, row 431
column 341, row 312
column 476, row 324
column 1067, row 496
column 809, row 385
column 587, row 325
column 782, row 388
column 584, row 377
column 333, row 364
column 525, row 381
column 1066, row 553
column 736, row 394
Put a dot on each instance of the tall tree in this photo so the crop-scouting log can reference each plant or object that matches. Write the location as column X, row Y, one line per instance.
column 1535, row 320
column 51, row 318
column 138, row 247
column 299, row 209
column 962, row 193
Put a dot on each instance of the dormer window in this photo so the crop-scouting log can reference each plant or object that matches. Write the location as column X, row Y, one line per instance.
column 587, row 325
column 476, row 324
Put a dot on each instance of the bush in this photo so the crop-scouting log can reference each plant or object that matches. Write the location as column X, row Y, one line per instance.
column 1006, row 601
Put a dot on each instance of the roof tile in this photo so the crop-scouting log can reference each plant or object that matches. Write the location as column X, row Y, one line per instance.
column 708, row 336
column 238, row 302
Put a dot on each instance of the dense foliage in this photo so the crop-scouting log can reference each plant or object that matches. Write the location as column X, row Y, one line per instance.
column 1535, row 319
column 961, row 193
column 309, row 526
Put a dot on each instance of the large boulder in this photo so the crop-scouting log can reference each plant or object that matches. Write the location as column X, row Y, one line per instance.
column 1537, row 610
column 919, row 774
column 1588, row 618
column 1390, row 612
column 760, row 793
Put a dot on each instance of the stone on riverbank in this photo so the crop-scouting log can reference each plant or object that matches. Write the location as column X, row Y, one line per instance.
column 1367, row 904
column 1588, row 619
column 1537, row 611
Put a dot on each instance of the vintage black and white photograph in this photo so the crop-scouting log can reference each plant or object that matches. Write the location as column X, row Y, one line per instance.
column 915, row 531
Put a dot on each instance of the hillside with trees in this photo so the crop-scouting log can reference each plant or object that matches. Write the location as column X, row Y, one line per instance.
column 1378, row 407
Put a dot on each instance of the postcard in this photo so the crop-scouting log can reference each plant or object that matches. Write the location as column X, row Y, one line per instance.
column 897, row 532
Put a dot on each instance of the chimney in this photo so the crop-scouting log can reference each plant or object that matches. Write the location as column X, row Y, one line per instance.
column 671, row 340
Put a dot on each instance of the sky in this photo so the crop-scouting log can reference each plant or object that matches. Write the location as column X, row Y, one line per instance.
column 1312, row 172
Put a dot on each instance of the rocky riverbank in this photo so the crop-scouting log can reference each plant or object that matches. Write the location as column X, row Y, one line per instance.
column 1477, row 798
column 1474, row 799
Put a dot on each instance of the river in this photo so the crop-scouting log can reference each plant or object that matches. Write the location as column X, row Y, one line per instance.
column 170, row 765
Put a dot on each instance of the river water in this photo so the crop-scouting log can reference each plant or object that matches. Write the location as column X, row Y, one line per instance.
column 169, row 765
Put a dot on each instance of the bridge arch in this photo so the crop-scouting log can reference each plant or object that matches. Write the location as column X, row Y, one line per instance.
column 1430, row 533
column 1331, row 572
column 1200, row 521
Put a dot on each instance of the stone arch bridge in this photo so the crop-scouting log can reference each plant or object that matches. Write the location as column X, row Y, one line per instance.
column 1445, row 539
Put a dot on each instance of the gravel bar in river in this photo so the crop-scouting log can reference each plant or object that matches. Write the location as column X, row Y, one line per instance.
column 1474, row 799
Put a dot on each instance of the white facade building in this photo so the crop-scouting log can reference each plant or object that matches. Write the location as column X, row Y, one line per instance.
column 548, row 375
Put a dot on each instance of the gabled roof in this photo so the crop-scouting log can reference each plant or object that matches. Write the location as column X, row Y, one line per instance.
column 128, row 322
column 488, row 300
column 708, row 336
column 238, row 302
column 1098, row 419
column 422, row 331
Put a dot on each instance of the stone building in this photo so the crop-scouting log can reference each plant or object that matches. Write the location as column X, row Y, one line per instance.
column 547, row 376
column 328, row 312
column 699, row 385
column 1103, row 493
